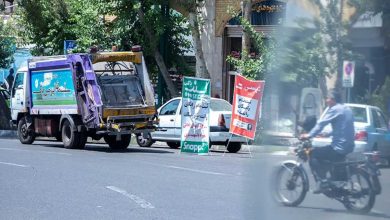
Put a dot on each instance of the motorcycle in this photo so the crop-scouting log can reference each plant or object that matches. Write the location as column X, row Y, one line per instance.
column 354, row 183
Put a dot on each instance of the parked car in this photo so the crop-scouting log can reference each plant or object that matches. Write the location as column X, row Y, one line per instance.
column 169, row 127
column 371, row 131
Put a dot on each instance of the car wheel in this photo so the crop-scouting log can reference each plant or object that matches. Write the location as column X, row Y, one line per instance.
column 233, row 147
column 144, row 142
column 117, row 145
column 173, row 145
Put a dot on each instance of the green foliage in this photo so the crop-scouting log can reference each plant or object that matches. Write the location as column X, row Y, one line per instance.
column 47, row 23
column 302, row 56
column 7, row 46
column 128, row 30
column 380, row 97
column 254, row 65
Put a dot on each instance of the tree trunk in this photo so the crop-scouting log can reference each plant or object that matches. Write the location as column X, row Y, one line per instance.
column 246, row 14
column 157, row 56
column 164, row 72
column 201, row 68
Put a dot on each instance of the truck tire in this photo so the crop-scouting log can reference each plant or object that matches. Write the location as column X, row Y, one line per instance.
column 118, row 145
column 144, row 142
column 72, row 139
column 233, row 147
column 173, row 145
column 26, row 135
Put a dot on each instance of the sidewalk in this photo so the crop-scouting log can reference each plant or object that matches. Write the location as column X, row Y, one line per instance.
column 7, row 134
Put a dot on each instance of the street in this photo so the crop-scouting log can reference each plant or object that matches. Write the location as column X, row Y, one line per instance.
column 46, row 181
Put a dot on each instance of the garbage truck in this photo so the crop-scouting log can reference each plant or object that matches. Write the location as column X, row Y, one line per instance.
column 72, row 97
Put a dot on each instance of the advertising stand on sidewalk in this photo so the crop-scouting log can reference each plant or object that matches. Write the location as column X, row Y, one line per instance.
column 195, row 113
column 246, row 107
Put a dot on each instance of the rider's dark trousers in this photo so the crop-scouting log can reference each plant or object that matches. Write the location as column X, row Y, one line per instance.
column 319, row 160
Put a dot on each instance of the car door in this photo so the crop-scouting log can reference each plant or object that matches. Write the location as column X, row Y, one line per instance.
column 167, row 116
column 380, row 128
column 18, row 103
column 384, row 146
column 177, row 132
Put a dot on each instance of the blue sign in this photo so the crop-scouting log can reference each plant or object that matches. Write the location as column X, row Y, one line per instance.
column 69, row 45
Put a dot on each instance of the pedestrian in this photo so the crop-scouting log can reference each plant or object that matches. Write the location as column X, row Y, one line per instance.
column 10, row 78
column 341, row 118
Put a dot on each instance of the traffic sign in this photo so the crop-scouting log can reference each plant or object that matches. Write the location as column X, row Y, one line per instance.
column 348, row 73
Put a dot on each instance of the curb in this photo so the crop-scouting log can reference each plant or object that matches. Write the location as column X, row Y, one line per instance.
column 272, row 149
column 7, row 134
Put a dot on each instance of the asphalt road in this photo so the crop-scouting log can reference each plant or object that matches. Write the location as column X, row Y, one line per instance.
column 46, row 181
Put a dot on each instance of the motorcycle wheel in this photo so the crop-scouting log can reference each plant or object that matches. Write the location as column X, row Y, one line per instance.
column 361, row 196
column 290, row 185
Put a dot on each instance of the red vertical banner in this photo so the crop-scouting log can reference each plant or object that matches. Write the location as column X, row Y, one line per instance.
column 246, row 106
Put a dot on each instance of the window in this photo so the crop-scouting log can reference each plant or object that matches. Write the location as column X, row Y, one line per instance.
column 18, row 81
column 381, row 122
column 170, row 108
column 360, row 114
column 220, row 105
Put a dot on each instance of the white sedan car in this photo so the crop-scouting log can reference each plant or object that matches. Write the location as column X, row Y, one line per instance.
column 170, row 126
column 371, row 131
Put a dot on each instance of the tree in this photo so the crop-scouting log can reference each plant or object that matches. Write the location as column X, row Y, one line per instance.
column 141, row 22
column 7, row 46
column 47, row 23
column 195, row 19
column 303, row 57
column 246, row 14
column 316, row 59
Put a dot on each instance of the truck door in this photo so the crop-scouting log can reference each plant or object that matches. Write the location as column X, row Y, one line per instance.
column 18, row 98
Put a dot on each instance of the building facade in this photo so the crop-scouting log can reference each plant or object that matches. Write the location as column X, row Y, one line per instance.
column 222, row 35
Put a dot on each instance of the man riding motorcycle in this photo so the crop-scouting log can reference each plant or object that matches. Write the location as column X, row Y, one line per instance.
column 341, row 119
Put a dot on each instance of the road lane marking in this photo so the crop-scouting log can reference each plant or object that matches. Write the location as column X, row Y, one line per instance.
column 198, row 171
column 280, row 153
column 38, row 151
column 141, row 202
column 14, row 164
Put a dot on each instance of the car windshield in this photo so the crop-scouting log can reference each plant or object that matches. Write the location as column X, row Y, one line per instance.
column 360, row 114
column 220, row 105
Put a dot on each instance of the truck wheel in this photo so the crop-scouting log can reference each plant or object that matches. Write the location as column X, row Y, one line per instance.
column 118, row 145
column 233, row 147
column 144, row 142
column 72, row 139
column 173, row 145
column 26, row 135
column 58, row 137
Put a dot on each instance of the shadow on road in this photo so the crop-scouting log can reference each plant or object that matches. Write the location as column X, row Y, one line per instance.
column 105, row 149
column 370, row 214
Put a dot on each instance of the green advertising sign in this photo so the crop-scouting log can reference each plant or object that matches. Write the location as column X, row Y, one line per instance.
column 195, row 113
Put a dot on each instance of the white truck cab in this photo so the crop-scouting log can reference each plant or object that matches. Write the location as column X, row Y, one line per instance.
column 19, row 94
